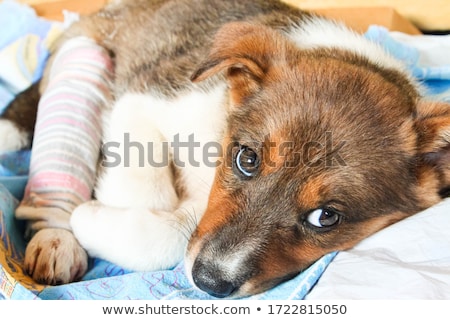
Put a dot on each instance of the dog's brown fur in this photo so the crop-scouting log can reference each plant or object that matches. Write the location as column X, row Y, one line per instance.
column 388, row 140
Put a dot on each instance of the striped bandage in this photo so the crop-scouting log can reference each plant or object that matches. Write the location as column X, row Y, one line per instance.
column 68, row 134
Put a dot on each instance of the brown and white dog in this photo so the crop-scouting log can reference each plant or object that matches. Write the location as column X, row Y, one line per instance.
column 325, row 140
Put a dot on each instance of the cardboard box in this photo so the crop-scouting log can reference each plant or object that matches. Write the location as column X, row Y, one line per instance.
column 53, row 9
column 426, row 15
column 361, row 18
column 357, row 18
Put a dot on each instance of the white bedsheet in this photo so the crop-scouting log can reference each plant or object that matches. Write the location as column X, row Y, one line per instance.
column 408, row 260
column 411, row 259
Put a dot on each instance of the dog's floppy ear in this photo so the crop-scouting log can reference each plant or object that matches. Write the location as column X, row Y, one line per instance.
column 245, row 51
column 433, row 127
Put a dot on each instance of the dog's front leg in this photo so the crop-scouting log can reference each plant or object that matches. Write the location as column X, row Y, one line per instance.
column 64, row 159
column 137, row 237
column 132, row 221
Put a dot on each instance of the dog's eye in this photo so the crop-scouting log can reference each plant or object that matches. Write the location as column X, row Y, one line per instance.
column 323, row 218
column 247, row 161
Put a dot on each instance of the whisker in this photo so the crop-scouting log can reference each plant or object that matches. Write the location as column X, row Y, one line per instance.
column 187, row 225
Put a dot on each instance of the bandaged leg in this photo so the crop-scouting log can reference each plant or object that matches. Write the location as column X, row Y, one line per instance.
column 64, row 157
column 68, row 135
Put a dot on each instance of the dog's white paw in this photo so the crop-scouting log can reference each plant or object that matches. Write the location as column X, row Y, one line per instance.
column 54, row 256
column 133, row 238
column 11, row 137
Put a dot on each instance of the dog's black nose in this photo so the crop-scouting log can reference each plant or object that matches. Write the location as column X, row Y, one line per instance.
column 210, row 279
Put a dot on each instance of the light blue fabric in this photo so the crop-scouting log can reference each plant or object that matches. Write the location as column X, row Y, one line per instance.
column 14, row 163
column 435, row 78
column 170, row 285
column 107, row 281
column 19, row 21
column 14, row 171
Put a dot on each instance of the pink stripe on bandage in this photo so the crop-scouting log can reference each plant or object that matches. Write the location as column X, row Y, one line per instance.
column 47, row 182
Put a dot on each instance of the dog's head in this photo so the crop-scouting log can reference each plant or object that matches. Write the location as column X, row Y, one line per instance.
column 324, row 148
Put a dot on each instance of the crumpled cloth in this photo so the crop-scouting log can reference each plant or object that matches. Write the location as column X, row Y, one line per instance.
column 427, row 56
column 25, row 40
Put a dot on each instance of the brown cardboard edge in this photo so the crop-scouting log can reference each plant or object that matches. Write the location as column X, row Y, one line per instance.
column 360, row 18
column 53, row 10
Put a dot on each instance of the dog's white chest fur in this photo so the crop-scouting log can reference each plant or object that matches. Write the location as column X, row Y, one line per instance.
column 148, row 129
column 139, row 221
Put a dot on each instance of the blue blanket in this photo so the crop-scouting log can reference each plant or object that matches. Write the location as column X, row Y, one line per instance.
column 105, row 280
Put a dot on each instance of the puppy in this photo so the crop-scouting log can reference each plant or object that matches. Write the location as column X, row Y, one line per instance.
column 325, row 139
